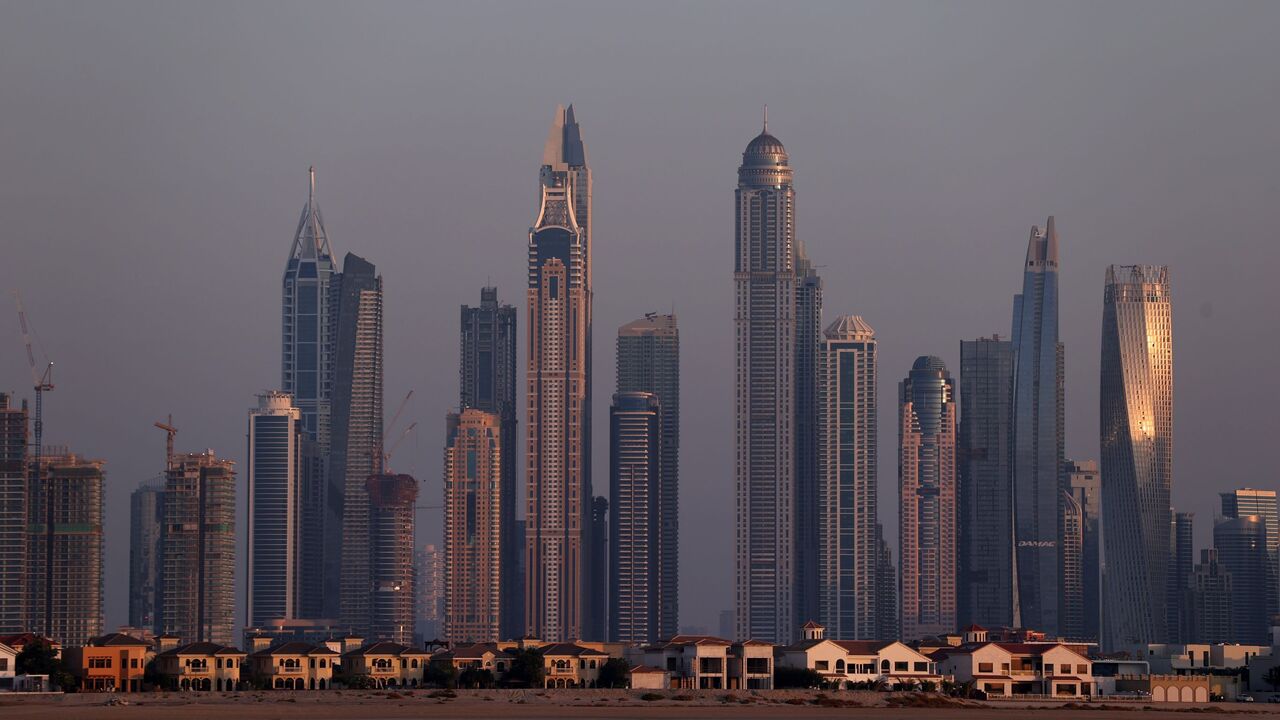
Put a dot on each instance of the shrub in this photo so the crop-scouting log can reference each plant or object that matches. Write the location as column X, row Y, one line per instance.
column 650, row 697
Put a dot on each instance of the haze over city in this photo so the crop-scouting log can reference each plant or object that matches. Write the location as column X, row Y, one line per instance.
column 154, row 160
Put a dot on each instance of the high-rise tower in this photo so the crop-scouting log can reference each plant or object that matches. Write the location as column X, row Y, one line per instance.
column 1241, row 544
column 635, row 476
column 198, row 549
column 558, row 512
column 987, row 587
column 649, row 361
column 848, row 542
column 1082, row 608
column 473, row 490
column 14, row 439
column 775, row 293
column 927, row 500
column 355, row 446
column 1249, row 501
column 275, row 507
column 390, row 500
column 146, row 507
column 1136, row 429
column 487, row 382
column 1038, row 422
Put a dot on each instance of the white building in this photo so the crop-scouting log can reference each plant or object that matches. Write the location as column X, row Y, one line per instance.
column 1009, row 669
column 857, row 661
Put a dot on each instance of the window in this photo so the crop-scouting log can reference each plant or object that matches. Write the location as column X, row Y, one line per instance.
column 133, row 663
column 985, row 668
column 821, row 665
column 100, row 663
column 1048, row 668
column 4, row 664
column 760, row 666
column 1082, row 669
column 922, row 667
column 900, row 666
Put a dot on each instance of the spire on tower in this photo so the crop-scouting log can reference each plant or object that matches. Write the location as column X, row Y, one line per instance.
column 766, row 118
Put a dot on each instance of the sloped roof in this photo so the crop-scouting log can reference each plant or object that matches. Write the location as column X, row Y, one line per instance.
column 570, row 649
column 296, row 647
column 474, row 650
column 646, row 669
column 202, row 648
column 116, row 639
column 385, row 647
column 863, row 647
column 697, row 640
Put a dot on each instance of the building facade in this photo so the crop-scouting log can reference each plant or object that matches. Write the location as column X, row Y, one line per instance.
column 775, row 293
column 275, row 507
column 146, row 509
column 808, row 478
column 1181, row 565
column 927, row 500
column 887, row 625
column 559, row 588
column 1082, row 570
column 473, row 527
column 14, row 442
column 1038, row 436
column 635, row 477
column 429, row 584
column 847, row 537
column 1241, row 545
column 1207, row 600
column 1136, row 428
column 355, row 446
column 65, row 550
column 987, row 587
column 648, row 360
column 391, row 499
column 487, row 381
column 1261, row 503
column 198, row 549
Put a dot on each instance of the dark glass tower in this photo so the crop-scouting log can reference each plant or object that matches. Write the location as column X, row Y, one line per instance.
column 487, row 382
column 14, row 439
column 808, row 473
column 649, row 361
column 1180, row 569
column 145, row 509
column 1038, row 434
column 988, row 593
column 635, row 479
column 1083, row 495
column 1241, row 544
column 1261, row 503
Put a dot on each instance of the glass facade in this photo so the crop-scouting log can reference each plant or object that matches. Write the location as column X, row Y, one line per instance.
column 275, row 438
column 635, row 478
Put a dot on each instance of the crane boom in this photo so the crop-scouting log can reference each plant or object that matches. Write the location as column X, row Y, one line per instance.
column 42, row 383
column 170, row 431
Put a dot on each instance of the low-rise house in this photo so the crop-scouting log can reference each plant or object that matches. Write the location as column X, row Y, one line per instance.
column 293, row 666
column 387, row 664
column 8, row 666
column 646, row 677
column 1165, row 688
column 479, row 656
column 1009, row 669
column 865, row 663
column 751, row 665
column 19, row 641
column 569, row 665
column 699, row 662
column 198, row 665
column 114, row 662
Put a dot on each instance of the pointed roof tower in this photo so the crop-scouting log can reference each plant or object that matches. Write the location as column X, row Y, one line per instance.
column 564, row 142
column 1042, row 248
column 310, row 240
column 850, row 328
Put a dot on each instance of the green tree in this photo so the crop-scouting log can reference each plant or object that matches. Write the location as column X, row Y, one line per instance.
column 614, row 674
column 360, row 682
column 1272, row 677
column 526, row 669
column 441, row 673
column 39, row 658
column 475, row 678
column 789, row 677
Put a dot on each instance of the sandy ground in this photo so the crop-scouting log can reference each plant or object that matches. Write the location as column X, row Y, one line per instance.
column 515, row 704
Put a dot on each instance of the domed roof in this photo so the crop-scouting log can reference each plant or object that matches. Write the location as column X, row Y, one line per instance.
column 929, row 362
column 765, row 144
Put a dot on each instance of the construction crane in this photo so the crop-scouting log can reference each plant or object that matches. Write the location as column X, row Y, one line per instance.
column 170, row 431
column 386, row 455
column 43, row 382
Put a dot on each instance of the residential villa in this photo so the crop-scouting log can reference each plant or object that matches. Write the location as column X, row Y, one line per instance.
column 849, row 662
column 388, row 664
column 293, row 666
column 111, row 662
column 198, row 665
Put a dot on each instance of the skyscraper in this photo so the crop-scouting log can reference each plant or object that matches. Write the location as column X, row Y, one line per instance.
column 275, row 506
column 146, row 507
column 927, row 500
column 1082, row 615
column 1038, row 433
column 14, row 439
column 430, row 587
column 1208, row 598
column 1241, row 544
column 776, row 294
column 1136, row 428
column 648, row 360
column 64, row 568
column 391, row 500
column 473, row 489
column 635, row 477
column 1262, row 503
column 808, row 477
column 847, row 539
column 1181, row 566
column 558, row 512
column 887, row 626
column 355, row 444
column 306, row 370
column 987, row 590
column 487, row 381
column 198, row 549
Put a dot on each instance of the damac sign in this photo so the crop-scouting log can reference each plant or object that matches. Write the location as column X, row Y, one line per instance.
column 1037, row 543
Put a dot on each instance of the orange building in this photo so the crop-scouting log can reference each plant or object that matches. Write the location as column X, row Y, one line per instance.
column 113, row 662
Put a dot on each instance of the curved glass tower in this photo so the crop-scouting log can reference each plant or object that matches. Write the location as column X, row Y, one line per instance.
column 1136, row 428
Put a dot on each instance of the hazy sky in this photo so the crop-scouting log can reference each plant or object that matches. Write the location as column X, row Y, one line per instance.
column 153, row 162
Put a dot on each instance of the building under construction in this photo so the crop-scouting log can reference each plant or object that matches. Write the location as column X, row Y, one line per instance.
column 14, row 438
column 198, row 549
column 391, row 501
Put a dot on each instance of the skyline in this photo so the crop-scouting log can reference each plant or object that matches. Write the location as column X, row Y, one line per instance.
column 116, row 371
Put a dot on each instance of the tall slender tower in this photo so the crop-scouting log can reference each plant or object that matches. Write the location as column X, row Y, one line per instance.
column 635, row 478
column 391, row 500
column 1083, row 617
column 275, row 507
column 767, row 263
column 146, row 507
column 927, row 500
column 848, row 543
column 198, row 549
column 64, row 580
column 808, row 479
column 558, row 512
column 1136, row 429
column 649, row 361
column 487, row 382
column 307, row 365
column 987, row 588
column 1241, row 544
column 1248, row 501
column 1181, row 565
column 14, row 439
column 354, row 447
column 1038, row 433
column 473, row 490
